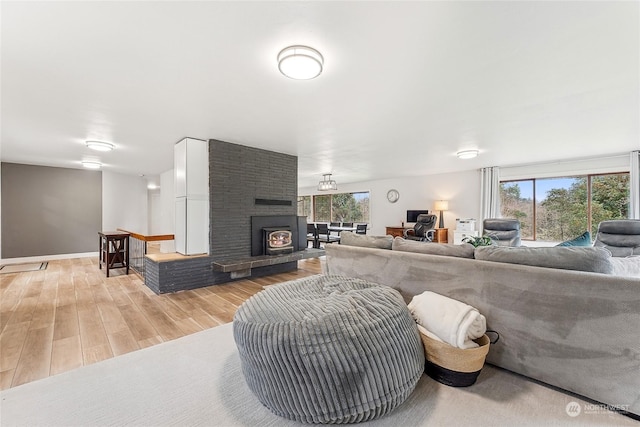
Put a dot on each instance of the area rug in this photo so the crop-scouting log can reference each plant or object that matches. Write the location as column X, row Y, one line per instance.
column 197, row 381
column 20, row 268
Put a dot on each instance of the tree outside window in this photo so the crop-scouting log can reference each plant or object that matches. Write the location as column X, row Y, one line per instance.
column 338, row 207
column 304, row 207
column 557, row 209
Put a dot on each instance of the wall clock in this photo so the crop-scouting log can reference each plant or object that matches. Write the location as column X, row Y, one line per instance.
column 393, row 196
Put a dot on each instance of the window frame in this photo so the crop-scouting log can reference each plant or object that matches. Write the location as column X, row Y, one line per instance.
column 589, row 195
column 314, row 210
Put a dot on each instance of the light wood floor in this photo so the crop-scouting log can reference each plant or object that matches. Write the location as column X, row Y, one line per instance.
column 71, row 315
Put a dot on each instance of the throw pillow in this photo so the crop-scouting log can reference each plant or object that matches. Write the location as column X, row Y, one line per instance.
column 464, row 250
column 582, row 240
column 349, row 238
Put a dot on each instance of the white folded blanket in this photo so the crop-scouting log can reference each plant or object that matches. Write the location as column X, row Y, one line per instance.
column 452, row 321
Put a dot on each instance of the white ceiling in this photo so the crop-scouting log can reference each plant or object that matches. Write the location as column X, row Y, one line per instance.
column 405, row 85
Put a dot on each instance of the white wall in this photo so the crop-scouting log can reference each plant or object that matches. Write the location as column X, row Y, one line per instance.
column 155, row 211
column 461, row 189
column 167, row 210
column 603, row 164
column 124, row 203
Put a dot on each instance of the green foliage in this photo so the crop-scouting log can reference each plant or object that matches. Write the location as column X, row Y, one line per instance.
column 339, row 207
column 322, row 208
column 344, row 207
column 513, row 205
column 563, row 214
column 478, row 241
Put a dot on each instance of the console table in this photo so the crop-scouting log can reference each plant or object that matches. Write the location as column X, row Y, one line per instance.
column 441, row 236
column 114, row 250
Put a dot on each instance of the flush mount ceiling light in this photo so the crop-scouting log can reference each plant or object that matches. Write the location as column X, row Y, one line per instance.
column 467, row 154
column 91, row 165
column 300, row 62
column 327, row 183
column 100, row 146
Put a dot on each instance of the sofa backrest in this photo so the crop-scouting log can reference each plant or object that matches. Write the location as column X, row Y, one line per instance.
column 464, row 250
column 590, row 259
column 349, row 238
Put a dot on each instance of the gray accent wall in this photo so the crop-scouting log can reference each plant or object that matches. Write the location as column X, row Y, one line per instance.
column 49, row 211
column 238, row 175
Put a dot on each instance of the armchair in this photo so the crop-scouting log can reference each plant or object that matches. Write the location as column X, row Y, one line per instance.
column 620, row 236
column 503, row 231
column 424, row 230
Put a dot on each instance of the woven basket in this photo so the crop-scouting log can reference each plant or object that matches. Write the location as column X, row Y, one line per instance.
column 457, row 367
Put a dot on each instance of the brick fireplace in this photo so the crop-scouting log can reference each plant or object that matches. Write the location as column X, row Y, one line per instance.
column 246, row 186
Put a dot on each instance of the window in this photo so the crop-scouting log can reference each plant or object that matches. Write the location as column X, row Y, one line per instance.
column 304, row 207
column 557, row 209
column 340, row 207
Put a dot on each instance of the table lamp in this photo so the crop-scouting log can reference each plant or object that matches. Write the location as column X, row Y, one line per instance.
column 441, row 205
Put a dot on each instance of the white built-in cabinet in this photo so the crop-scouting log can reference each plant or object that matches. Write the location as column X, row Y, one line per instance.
column 191, row 178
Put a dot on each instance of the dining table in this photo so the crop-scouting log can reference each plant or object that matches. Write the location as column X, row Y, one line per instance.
column 341, row 229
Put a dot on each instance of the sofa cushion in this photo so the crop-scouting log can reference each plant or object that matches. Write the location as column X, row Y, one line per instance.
column 582, row 240
column 595, row 260
column 352, row 239
column 464, row 250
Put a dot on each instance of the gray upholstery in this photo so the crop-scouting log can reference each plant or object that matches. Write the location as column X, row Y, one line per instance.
column 574, row 330
column 329, row 349
column 503, row 231
column 621, row 237
column 424, row 230
column 464, row 250
column 626, row 266
column 353, row 239
column 595, row 260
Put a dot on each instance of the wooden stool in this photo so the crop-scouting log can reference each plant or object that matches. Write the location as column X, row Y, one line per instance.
column 114, row 250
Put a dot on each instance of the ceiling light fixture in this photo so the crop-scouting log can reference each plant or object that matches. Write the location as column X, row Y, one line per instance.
column 91, row 165
column 100, row 146
column 467, row 154
column 300, row 62
column 327, row 183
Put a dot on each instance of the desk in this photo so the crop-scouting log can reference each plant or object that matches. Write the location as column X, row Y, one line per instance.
column 442, row 235
column 114, row 250
column 397, row 231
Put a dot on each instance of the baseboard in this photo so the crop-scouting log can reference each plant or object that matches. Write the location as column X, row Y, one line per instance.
column 47, row 258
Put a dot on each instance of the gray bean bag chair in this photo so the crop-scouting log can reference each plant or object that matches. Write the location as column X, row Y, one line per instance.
column 329, row 349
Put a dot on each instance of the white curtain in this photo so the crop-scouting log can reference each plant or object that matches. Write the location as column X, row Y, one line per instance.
column 489, row 193
column 634, row 187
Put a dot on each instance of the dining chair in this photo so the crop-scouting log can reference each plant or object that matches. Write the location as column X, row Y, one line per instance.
column 312, row 235
column 361, row 228
column 324, row 235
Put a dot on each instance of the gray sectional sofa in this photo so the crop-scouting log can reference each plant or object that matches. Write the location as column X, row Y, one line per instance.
column 573, row 329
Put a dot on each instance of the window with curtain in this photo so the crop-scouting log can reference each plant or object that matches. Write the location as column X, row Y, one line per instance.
column 557, row 209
